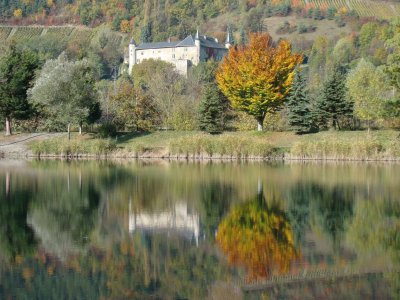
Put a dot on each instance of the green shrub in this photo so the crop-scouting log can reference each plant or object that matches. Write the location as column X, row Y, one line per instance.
column 106, row 130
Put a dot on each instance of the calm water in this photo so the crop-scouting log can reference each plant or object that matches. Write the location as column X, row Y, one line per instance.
column 113, row 230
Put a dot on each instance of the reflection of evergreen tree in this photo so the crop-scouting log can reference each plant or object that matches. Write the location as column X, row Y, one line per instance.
column 216, row 198
column 16, row 237
column 333, row 207
column 298, row 213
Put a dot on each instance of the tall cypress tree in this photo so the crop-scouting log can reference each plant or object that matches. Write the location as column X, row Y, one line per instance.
column 300, row 113
column 212, row 110
column 145, row 34
column 333, row 105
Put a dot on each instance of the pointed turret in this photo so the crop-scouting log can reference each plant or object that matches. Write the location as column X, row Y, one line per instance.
column 132, row 55
column 132, row 42
column 197, row 37
column 229, row 39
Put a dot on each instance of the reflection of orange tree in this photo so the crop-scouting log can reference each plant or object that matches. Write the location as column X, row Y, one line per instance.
column 258, row 238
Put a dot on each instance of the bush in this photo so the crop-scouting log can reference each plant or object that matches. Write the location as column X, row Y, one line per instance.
column 106, row 130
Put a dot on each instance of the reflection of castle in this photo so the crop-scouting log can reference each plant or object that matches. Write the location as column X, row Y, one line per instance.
column 178, row 220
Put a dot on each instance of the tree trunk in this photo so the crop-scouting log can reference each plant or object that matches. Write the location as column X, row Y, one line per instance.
column 69, row 131
column 8, row 180
column 8, row 126
column 260, row 122
column 80, row 128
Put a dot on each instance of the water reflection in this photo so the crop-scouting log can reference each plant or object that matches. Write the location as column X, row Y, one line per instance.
column 179, row 220
column 74, row 230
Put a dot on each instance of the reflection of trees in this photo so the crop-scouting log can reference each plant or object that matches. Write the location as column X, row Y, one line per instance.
column 258, row 238
column 374, row 232
column 63, row 217
column 216, row 199
column 142, row 267
column 16, row 237
column 332, row 207
column 299, row 210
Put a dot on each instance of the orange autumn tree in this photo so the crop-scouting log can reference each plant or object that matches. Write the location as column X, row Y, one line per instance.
column 258, row 238
column 257, row 77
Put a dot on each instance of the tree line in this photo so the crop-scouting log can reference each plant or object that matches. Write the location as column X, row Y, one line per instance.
column 348, row 84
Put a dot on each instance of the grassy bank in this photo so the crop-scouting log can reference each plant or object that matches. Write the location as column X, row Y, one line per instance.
column 355, row 145
column 77, row 146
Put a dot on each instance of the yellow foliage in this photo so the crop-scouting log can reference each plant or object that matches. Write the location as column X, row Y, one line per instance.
column 50, row 3
column 17, row 13
column 258, row 238
column 27, row 273
column 257, row 77
column 343, row 10
column 125, row 26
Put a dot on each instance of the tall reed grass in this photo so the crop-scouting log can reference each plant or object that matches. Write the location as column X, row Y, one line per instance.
column 73, row 147
column 369, row 149
column 222, row 146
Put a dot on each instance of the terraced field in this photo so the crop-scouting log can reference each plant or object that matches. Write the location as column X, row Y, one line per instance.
column 23, row 33
column 364, row 8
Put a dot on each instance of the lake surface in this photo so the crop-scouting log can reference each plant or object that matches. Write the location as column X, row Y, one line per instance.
column 174, row 230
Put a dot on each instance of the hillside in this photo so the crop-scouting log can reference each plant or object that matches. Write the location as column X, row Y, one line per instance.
column 161, row 19
column 363, row 8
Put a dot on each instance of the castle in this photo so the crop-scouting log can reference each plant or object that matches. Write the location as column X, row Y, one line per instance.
column 182, row 54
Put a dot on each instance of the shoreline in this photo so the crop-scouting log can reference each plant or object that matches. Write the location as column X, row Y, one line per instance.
column 285, row 157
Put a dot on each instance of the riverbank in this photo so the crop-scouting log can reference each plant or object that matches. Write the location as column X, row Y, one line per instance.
column 330, row 145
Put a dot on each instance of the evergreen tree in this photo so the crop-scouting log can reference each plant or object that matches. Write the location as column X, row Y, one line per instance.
column 17, row 70
column 145, row 34
column 333, row 105
column 212, row 110
column 243, row 36
column 300, row 112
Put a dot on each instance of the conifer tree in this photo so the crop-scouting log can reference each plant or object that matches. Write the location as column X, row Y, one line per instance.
column 333, row 105
column 300, row 112
column 145, row 34
column 212, row 110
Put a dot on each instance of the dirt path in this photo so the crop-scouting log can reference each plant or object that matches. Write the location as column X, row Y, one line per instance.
column 17, row 145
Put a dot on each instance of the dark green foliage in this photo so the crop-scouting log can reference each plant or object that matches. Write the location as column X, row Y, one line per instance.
column 107, row 130
column 16, row 237
column 300, row 112
column 330, row 13
column 333, row 107
column 212, row 109
column 318, row 14
column 17, row 71
column 243, row 36
column 145, row 34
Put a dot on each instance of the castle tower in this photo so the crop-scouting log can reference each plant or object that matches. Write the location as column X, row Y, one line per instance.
column 197, row 44
column 229, row 40
column 132, row 55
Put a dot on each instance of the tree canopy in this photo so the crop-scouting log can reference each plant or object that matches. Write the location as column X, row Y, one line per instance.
column 17, row 71
column 65, row 91
column 257, row 77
